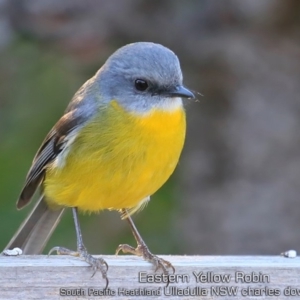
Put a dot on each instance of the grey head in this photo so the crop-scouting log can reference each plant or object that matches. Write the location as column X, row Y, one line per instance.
column 141, row 76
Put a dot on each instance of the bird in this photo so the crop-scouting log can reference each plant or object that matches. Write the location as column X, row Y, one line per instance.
column 117, row 143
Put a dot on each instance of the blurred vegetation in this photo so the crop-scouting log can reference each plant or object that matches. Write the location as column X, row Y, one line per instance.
column 241, row 160
column 34, row 91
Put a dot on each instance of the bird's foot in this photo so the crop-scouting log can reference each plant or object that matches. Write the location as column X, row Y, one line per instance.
column 142, row 250
column 96, row 263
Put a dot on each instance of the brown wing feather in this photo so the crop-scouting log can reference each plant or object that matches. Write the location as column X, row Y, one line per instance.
column 50, row 148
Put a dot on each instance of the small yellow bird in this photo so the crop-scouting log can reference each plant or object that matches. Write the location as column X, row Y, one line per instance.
column 117, row 143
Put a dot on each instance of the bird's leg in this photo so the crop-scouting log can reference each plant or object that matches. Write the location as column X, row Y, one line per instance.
column 142, row 249
column 96, row 263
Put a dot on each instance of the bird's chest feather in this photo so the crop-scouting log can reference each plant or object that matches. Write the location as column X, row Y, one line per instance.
column 120, row 158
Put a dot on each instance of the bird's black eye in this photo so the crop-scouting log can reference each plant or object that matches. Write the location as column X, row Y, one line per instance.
column 141, row 85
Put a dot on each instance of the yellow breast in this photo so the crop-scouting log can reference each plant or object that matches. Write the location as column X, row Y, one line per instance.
column 118, row 159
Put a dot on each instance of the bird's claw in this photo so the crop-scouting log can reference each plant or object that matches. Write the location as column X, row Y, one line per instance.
column 95, row 263
column 142, row 250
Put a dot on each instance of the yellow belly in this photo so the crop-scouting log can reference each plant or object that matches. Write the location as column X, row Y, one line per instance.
column 117, row 160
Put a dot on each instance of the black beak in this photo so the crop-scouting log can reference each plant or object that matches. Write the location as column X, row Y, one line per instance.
column 179, row 91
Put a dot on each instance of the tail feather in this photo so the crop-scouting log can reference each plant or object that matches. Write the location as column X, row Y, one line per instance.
column 34, row 233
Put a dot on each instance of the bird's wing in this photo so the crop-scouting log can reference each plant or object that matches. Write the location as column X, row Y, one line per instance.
column 53, row 144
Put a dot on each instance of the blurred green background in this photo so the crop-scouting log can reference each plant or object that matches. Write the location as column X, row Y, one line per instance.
column 236, row 189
